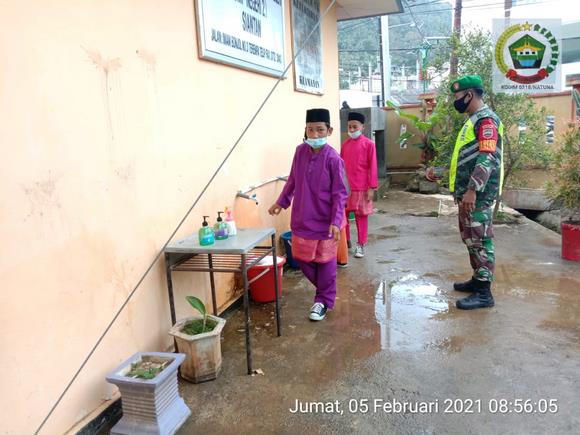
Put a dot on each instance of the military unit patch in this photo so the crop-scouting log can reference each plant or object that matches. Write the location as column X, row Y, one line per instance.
column 487, row 146
column 487, row 132
column 487, row 136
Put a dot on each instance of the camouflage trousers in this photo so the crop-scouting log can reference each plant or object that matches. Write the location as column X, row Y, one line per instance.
column 476, row 230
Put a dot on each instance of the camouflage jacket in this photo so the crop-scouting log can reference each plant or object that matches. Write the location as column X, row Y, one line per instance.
column 478, row 157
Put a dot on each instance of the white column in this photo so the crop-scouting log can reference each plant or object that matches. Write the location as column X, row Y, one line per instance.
column 386, row 57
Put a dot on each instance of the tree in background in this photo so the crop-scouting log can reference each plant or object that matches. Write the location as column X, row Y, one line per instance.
column 358, row 47
column 565, row 188
column 359, row 40
column 524, row 142
column 426, row 20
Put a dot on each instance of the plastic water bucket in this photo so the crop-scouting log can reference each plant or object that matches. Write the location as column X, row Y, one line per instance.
column 287, row 239
column 262, row 289
column 570, row 241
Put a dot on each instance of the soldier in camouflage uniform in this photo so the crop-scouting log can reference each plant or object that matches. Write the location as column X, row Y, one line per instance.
column 475, row 178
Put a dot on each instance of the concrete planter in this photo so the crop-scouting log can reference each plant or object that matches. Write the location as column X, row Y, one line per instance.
column 203, row 351
column 150, row 406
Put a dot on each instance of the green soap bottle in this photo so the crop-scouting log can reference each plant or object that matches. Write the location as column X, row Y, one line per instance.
column 206, row 236
column 220, row 228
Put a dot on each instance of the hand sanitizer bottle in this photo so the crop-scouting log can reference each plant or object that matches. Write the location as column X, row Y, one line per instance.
column 206, row 236
column 220, row 228
column 232, row 230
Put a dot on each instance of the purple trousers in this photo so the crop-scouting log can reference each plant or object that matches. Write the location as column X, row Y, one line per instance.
column 323, row 276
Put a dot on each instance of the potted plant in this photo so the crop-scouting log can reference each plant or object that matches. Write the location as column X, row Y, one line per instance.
column 150, row 397
column 198, row 337
column 565, row 192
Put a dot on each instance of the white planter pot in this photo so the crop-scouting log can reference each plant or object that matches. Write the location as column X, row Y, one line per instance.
column 150, row 406
column 203, row 351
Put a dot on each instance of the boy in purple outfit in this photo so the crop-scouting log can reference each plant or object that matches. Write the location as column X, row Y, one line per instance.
column 317, row 189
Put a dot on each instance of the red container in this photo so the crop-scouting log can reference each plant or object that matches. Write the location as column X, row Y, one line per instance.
column 263, row 290
column 571, row 241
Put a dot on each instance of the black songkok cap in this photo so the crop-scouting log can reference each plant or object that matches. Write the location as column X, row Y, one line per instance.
column 318, row 115
column 355, row 116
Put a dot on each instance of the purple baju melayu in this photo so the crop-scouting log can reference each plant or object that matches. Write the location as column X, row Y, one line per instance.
column 317, row 190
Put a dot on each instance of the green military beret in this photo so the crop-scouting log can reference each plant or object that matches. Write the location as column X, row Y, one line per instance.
column 466, row 82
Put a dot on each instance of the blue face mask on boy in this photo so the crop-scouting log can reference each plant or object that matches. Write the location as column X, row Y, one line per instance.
column 355, row 134
column 316, row 143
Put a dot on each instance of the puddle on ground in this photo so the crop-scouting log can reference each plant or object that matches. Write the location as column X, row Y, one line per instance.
column 456, row 343
column 404, row 309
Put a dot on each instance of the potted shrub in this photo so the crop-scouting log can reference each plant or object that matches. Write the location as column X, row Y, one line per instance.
column 198, row 337
column 149, row 394
column 565, row 192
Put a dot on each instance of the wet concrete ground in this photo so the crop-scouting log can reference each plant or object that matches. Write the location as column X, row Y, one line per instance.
column 395, row 336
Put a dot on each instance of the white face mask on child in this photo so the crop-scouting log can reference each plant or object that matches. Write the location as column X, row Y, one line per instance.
column 316, row 143
column 355, row 134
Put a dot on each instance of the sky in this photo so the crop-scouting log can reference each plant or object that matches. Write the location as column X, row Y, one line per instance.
column 482, row 12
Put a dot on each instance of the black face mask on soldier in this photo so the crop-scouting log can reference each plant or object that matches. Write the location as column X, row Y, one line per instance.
column 461, row 105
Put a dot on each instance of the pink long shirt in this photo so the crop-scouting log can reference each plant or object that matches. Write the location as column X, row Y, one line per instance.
column 360, row 161
column 317, row 192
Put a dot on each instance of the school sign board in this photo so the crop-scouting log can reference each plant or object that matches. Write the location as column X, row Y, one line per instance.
column 527, row 56
column 308, row 64
column 245, row 33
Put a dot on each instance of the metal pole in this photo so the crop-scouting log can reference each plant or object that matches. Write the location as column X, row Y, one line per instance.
column 276, row 285
column 381, row 61
column 385, row 59
column 247, row 313
column 212, row 284
column 170, row 289
column 457, row 32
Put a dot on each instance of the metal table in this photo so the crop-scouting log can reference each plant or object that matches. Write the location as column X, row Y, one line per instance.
column 234, row 255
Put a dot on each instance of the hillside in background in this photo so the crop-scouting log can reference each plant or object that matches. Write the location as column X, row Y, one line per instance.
column 359, row 40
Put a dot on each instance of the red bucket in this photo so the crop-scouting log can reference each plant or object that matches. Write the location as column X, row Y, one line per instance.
column 262, row 289
column 571, row 241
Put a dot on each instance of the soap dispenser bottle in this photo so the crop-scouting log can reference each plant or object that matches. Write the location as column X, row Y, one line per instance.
column 206, row 236
column 232, row 230
column 220, row 228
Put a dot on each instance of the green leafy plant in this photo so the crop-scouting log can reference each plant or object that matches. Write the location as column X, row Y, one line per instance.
column 198, row 326
column 426, row 134
column 146, row 368
column 524, row 140
column 565, row 189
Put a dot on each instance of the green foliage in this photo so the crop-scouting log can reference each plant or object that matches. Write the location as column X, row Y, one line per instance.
column 197, row 326
column 148, row 373
column 426, row 138
column 523, row 147
column 428, row 20
column 199, row 306
column 359, row 40
column 358, row 46
column 146, row 368
column 565, row 189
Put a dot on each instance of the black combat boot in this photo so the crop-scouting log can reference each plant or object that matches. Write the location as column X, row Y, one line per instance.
column 481, row 298
column 466, row 286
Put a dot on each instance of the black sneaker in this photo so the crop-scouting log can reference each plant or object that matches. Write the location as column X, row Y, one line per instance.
column 318, row 311
column 342, row 265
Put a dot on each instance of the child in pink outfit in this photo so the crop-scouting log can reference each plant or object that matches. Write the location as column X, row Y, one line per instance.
column 360, row 160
